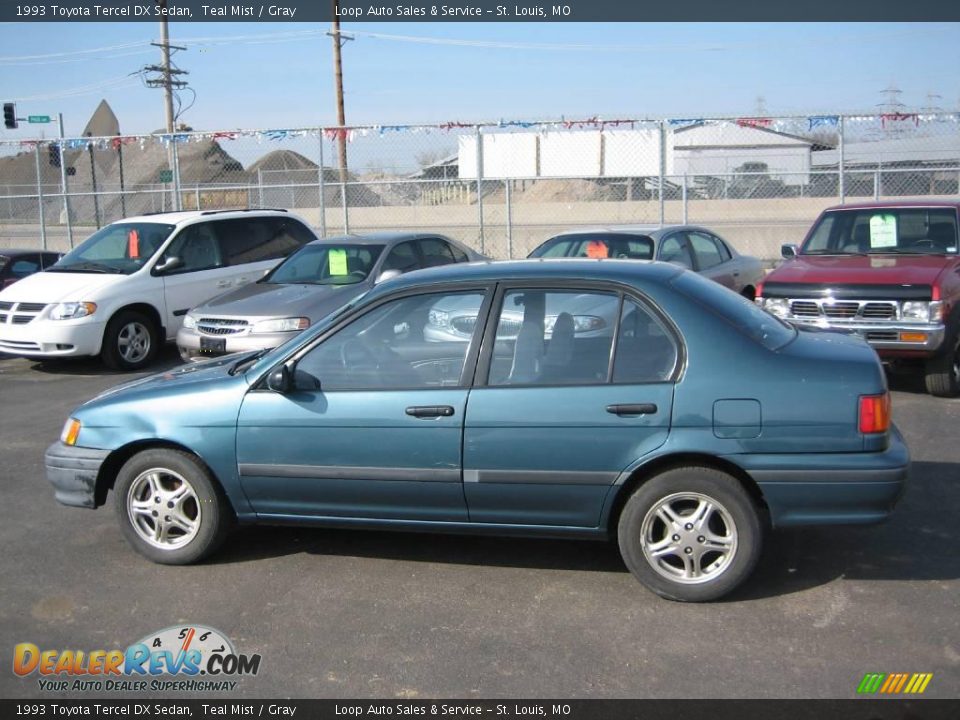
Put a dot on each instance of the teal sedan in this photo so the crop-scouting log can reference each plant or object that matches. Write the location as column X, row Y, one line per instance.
column 684, row 422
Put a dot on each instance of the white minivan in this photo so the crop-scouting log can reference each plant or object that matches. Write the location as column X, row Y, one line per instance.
column 124, row 291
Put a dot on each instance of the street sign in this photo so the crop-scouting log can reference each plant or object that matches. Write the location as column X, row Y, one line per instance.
column 38, row 118
column 166, row 176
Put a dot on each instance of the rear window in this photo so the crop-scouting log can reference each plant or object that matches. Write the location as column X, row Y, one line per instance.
column 884, row 231
column 759, row 325
column 597, row 245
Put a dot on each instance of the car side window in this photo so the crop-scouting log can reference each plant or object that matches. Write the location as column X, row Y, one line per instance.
column 724, row 251
column 435, row 253
column 387, row 348
column 645, row 350
column 458, row 255
column 197, row 247
column 25, row 265
column 402, row 257
column 553, row 337
column 705, row 249
column 251, row 240
column 674, row 250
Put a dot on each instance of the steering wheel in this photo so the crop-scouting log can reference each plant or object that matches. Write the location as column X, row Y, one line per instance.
column 361, row 274
column 923, row 242
column 354, row 353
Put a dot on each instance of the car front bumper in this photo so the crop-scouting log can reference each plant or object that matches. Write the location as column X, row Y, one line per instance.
column 188, row 343
column 51, row 338
column 831, row 488
column 886, row 337
column 73, row 473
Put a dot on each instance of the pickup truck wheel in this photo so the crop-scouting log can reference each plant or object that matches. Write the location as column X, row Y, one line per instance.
column 942, row 373
column 130, row 341
column 169, row 507
column 690, row 534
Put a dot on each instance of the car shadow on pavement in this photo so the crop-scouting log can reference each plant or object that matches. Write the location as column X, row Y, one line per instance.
column 917, row 544
column 167, row 359
column 907, row 378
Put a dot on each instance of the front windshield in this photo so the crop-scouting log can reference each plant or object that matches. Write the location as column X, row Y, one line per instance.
column 876, row 231
column 326, row 264
column 121, row 248
column 597, row 245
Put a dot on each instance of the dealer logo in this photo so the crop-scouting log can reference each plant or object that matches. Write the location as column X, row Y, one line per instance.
column 182, row 652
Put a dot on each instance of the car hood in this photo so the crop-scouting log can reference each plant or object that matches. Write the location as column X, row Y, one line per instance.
column 50, row 287
column 861, row 269
column 179, row 378
column 269, row 300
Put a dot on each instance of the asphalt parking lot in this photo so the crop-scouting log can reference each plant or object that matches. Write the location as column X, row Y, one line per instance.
column 371, row 614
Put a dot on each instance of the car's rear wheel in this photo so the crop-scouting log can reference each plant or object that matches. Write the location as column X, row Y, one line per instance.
column 170, row 508
column 130, row 341
column 942, row 373
column 691, row 534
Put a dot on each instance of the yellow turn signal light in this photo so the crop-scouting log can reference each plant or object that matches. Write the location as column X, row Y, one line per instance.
column 917, row 337
column 71, row 431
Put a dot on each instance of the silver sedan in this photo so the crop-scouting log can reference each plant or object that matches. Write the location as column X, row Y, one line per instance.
column 691, row 246
column 310, row 284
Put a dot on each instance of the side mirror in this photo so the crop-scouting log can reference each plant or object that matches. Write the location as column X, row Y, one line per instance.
column 387, row 275
column 171, row 263
column 789, row 251
column 280, row 380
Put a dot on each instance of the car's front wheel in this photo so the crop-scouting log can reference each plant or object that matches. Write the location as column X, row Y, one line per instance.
column 169, row 506
column 942, row 373
column 130, row 341
column 691, row 534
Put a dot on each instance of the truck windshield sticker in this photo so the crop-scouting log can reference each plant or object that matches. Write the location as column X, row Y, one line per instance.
column 337, row 258
column 883, row 231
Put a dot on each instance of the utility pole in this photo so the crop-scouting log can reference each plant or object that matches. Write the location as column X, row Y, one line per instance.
column 169, row 79
column 165, row 59
column 338, row 73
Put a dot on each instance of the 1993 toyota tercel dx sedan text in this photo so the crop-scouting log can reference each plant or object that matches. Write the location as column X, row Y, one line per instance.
column 684, row 429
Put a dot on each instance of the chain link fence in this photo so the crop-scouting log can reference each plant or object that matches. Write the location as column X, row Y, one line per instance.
column 501, row 187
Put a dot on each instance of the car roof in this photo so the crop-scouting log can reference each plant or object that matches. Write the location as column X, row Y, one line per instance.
column 654, row 230
column 184, row 216
column 376, row 238
column 616, row 270
column 916, row 203
column 14, row 252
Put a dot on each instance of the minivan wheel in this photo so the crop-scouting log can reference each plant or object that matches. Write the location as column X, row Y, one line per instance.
column 690, row 534
column 942, row 373
column 130, row 342
column 169, row 507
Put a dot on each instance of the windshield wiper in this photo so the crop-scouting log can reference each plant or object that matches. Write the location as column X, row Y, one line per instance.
column 86, row 267
column 248, row 360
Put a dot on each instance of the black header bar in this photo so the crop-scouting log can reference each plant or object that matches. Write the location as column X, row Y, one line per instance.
column 481, row 11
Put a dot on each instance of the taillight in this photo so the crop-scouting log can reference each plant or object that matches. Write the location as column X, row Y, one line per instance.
column 875, row 413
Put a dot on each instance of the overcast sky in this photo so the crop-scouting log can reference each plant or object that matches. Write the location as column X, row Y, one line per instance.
column 280, row 75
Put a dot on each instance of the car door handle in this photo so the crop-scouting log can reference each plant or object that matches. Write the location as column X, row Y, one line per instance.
column 632, row 409
column 429, row 411
column 224, row 283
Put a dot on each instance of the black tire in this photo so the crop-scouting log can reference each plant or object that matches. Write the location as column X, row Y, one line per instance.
column 734, row 515
column 130, row 342
column 203, row 503
column 942, row 373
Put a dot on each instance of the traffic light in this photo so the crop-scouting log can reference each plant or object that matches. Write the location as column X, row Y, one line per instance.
column 10, row 116
column 54, row 153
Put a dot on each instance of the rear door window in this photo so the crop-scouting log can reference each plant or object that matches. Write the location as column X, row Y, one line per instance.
column 256, row 239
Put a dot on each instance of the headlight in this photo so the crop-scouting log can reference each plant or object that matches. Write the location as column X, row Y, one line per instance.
column 439, row 319
column 282, row 325
column 778, row 307
column 71, row 431
column 72, row 310
column 581, row 323
column 921, row 311
column 189, row 321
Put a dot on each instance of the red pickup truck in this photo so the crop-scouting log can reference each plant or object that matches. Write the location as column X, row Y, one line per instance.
column 889, row 272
